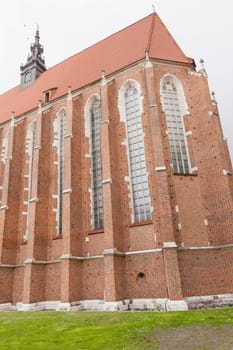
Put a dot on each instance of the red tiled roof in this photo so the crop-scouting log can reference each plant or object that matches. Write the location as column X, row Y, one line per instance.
column 111, row 54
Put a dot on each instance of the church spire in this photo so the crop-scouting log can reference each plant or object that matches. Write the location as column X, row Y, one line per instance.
column 35, row 64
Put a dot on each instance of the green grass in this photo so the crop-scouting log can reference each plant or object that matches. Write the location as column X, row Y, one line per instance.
column 102, row 330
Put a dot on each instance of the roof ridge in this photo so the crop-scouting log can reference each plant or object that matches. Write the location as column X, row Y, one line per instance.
column 113, row 53
column 171, row 36
column 98, row 42
column 151, row 31
column 87, row 48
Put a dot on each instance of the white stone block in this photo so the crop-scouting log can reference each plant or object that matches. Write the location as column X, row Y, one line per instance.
column 176, row 305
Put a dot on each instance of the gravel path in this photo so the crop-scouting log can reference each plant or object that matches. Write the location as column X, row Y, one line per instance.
column 194, row 338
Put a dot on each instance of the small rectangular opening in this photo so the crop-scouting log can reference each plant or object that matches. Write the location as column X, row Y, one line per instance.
column 47, row 97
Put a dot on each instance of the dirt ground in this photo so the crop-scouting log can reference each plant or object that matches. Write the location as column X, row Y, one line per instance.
column 195, row 338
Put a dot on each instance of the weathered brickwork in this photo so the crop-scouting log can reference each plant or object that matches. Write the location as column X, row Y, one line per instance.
column 145, row 276
column 184, row 250
column 6, row 284
column 206, row 272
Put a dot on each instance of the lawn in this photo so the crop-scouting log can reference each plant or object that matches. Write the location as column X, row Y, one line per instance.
column 199, row 330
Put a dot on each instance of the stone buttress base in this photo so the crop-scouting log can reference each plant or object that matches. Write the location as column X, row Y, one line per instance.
column 163, row 304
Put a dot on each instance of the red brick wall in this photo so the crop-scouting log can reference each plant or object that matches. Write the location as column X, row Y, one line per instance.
column 191, row 214
column 38, row 283
column 18, row 284
column 153, row 285
column 77, row 230
column 204, row 201
column 6, row 284
column 94, row 245
column 93, row 279
column 206, row 272
column 53, row 282
column 120, row 277
column 135, row 237
column 76, row 280
column 10, row 235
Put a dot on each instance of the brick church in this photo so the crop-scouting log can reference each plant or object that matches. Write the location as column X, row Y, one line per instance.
column 115, row 180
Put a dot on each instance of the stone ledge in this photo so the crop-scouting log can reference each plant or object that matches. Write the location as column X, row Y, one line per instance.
column 40, row 306
column 159, row 304
column 226, row 246
column 169, row 245
column 209, row 301
column 7, row 307
column 176, row 305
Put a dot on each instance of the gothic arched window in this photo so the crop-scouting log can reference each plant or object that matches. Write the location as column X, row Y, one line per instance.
column 29, row 158
column 5, row 146
column 131, row 113
column 4, row 157
column 96, row 164
column 174, row 106
column 61, row 150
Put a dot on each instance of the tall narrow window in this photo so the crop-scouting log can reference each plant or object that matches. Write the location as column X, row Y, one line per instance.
column 97, row 196
column 31, row 147
column 172, row 106
column 61, row 149
column 4, row 153
column 4, row 157
column 29, row 158
column 136, row 152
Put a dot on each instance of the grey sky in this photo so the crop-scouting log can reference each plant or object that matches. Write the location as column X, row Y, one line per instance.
column 202, row 28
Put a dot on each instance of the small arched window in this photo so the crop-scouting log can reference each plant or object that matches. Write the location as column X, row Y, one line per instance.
column 174, row 106
column 28, row 77
column 131, row 113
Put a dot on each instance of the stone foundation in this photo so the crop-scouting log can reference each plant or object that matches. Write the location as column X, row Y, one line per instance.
column 210, row 301
column 163, row 304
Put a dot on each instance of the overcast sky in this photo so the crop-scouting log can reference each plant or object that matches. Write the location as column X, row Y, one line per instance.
column 203, row 29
